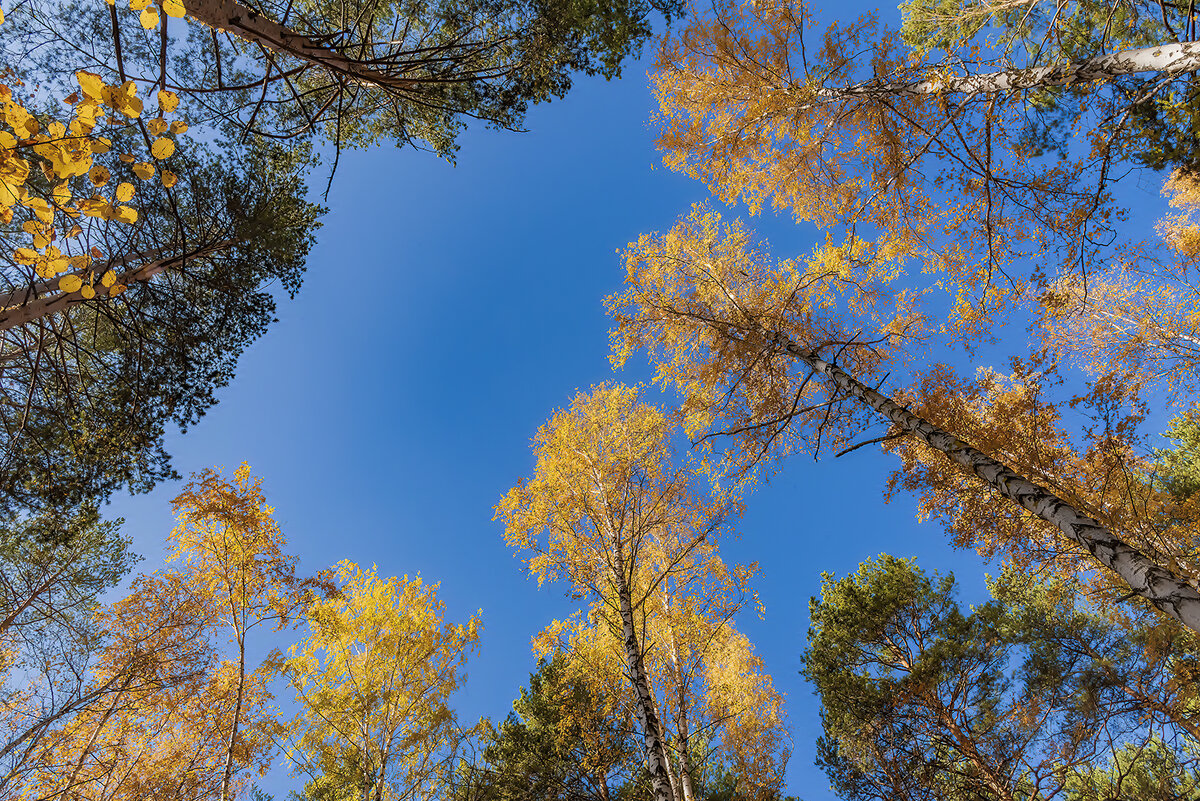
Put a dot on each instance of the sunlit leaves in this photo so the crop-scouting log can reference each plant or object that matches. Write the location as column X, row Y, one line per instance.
column 373, row 678
column 66, row 151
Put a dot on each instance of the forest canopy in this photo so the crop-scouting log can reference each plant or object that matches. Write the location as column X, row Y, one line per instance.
column 944, row 253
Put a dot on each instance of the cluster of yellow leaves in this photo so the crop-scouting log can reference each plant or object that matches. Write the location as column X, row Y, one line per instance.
column 707, row 303
column 603, row 491
column 65, row 153
column 1140, row 320
column 373, row 678
column 1182, row 231
column 148, row 9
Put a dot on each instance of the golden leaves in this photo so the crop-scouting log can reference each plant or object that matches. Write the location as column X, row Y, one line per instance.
column 373, row 676
column 162, row 148
column 149, row 18
column 99, row 175
column 65, row 150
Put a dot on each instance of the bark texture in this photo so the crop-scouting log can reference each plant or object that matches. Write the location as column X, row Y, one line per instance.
column 656, row 752
column 247, row 24
column 1167, row 591
column 1168, row 59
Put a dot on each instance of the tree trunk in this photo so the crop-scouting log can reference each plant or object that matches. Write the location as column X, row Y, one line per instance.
column 672, row 778
column 686, row 771
column 1161, row 587
column 1168, row 59
column 227, row 778
column 235, row 18
column 42, row 299
column 656, row 752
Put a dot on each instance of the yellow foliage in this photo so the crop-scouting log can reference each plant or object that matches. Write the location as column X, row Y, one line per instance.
column 372, row 678
column 63, row 151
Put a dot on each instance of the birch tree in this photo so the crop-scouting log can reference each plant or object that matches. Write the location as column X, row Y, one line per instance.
column 604, row 499
column 985, row 141
column 373, row 679
column 741, row 338
column 720, row 716
column 232, row 548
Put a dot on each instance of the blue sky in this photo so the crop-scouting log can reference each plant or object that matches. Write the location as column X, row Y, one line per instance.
column 446, row 312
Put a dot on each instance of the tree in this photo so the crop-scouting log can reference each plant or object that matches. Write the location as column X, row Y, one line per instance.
column 233, row 551
column 721, row 719
column 607, row 511
column 126, row 308
column 373, row 680
column 965, row 161
column 121, row 708
column 565, row 740
column 741, row 337
column 1028, row 696
column 54, row 568
column 352, row 72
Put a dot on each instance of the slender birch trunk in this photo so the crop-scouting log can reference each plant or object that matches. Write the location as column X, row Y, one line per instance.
column 1160, row 586
column 227, row 778
column 1168, row 59
column 686, row 770
column 672, row 777
column 43, row 299
column 249, row 25
column 656, row 752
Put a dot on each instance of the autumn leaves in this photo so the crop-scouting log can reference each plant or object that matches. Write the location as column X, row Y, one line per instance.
column 169, row 694
column 628, row 521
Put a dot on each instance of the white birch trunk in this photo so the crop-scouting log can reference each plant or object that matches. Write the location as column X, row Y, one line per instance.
column 1167, row 59
column 656, row 752
column 246, row 24
column 686, row 771
column 1161, row 587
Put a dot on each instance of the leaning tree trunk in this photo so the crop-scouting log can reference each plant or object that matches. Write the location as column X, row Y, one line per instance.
column 25, row 305
column 656, row 752
column 1160, row 586
column 249, row 25
column 1168, row 59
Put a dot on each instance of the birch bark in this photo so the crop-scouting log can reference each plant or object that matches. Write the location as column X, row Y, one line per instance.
column 647, row 718
column 1168, row 59
column 685, row 758
column 1167, row 591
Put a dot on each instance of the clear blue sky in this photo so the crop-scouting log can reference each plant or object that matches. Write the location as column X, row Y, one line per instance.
column 446, row 312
